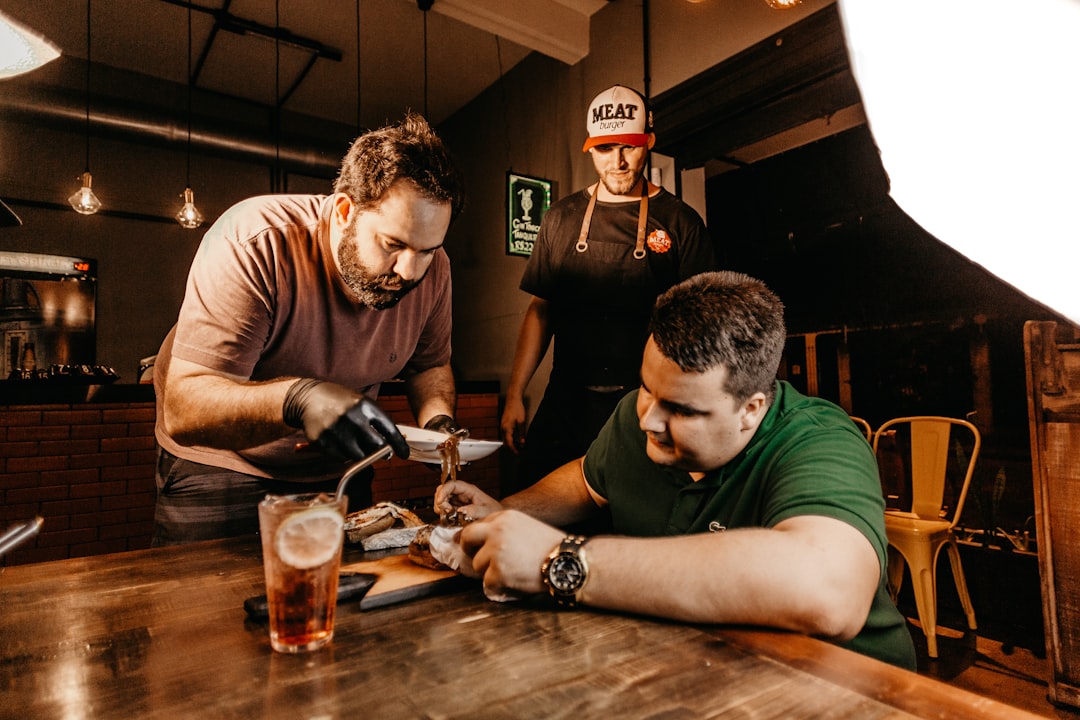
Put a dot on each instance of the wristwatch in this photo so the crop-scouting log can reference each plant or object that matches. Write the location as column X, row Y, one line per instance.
column 565, row 571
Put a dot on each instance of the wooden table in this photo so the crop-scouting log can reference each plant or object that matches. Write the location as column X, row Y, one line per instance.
column 162, row 634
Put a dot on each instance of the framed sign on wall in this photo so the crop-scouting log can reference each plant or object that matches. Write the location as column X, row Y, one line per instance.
column 527, row 199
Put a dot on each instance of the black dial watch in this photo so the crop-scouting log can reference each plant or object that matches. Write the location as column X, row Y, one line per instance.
column 565, row 571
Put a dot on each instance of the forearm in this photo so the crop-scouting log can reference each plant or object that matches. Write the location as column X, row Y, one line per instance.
column 431, row 392
column 560, row 498
column 532, row 344
column 204, row 408
column 758, row 576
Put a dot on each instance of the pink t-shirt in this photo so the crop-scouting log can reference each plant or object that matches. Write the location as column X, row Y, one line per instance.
column 264, row 300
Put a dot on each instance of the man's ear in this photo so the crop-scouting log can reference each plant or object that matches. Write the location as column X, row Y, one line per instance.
column 342, row 210
column 754, row 410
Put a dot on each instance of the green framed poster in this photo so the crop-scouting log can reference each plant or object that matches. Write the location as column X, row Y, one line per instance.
column 527, row 199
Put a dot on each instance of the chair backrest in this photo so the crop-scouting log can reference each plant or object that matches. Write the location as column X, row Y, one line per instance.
column 864, row 427
column 929, row 440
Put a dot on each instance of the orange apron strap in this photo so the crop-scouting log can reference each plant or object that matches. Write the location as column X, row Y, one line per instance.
column 643, row 219
column 583, row 236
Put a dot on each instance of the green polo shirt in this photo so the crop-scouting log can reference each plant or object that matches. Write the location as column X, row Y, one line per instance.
column 806, row 458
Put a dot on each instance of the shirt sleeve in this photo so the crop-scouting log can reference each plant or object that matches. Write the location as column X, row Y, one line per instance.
column 539, row 278
column 536, row 278
column 832, row 474
column 697, row 252
column 614, row 441
column 228, row 309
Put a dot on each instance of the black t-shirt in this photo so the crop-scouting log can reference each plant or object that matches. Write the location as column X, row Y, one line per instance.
column 601, row 299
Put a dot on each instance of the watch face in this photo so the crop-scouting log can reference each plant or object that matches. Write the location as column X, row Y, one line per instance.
column 566, row 573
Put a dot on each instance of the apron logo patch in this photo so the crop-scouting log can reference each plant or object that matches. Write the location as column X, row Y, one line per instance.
column 659, row 241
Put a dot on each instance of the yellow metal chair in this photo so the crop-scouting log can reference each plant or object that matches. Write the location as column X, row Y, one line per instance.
column 864, row 426
column 917, row 536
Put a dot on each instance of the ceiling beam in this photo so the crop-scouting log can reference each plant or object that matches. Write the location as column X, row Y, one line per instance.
column 797, row 76
column 552, row 28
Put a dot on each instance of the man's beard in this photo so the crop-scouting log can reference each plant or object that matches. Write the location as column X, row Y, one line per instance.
column 378, row 292
column 618, row 189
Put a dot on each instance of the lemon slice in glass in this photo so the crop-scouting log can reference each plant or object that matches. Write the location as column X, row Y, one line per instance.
column 309, row 538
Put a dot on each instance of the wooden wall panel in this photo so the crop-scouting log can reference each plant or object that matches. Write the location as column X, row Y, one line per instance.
column 1052, row 354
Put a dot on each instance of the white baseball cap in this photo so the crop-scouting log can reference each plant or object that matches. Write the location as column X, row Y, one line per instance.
column 619, row 116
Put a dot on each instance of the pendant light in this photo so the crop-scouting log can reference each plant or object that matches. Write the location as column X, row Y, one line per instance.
column 84, row 201
column 782, row 4
column 188, row 215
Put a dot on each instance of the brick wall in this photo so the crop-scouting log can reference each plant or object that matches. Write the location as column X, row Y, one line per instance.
column 88, row 469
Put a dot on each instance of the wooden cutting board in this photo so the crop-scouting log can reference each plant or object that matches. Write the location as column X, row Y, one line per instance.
column 401, row 579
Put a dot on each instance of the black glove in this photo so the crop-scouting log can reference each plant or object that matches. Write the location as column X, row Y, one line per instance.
column 442, row 423
column 339, row 421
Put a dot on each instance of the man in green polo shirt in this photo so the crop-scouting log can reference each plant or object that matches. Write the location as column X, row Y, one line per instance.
column 735, row 498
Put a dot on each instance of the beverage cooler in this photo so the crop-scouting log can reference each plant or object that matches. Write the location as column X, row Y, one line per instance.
column 47, row 307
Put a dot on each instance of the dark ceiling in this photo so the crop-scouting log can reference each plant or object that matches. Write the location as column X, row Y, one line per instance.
column 313, row 57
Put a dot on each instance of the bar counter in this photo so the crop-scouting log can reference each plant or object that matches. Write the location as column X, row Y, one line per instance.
column 162, row 633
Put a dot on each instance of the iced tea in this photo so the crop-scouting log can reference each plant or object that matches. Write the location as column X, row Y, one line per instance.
column 302, row 536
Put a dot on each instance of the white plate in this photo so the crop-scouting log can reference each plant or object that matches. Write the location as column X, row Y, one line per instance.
column 424, row 445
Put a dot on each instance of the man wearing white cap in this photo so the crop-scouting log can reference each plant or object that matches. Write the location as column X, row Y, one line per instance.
column 601, row 258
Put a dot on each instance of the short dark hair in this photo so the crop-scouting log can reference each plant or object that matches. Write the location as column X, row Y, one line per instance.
column 723, row 319
column 406, row 150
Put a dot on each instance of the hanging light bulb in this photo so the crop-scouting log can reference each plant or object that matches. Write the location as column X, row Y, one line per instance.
column 189, row 216
column 782, row 4
column 84, row 201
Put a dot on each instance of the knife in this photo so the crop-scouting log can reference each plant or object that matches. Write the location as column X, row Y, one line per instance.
column 351, row 586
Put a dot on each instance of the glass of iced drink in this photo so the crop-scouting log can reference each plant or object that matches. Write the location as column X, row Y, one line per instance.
column 302, row 537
